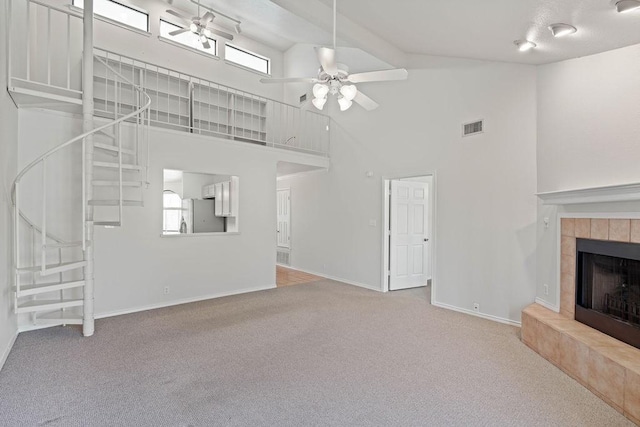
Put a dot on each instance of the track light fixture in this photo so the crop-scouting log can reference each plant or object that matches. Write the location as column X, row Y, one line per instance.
column 561, row 30
column 524, row 45
column 624, row 6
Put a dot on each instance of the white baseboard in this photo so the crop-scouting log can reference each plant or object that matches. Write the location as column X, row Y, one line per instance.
column 337, row 279
column 7, row 350
column 477, row 314
column 182, row 301
column 547, row 305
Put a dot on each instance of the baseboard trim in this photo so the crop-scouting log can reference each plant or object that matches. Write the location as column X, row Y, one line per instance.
column 547, row 305
column 183, row 301
column 476, row 314
column 7, row 350
column 337, row 279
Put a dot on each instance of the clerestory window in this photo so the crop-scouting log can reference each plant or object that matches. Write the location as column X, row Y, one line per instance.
column 119, row 12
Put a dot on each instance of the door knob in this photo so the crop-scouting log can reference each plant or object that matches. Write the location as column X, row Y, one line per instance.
column 426, row 240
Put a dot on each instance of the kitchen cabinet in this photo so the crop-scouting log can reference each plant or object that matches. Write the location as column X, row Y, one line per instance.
column 227, row 197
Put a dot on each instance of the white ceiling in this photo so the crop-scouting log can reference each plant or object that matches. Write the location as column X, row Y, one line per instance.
column 479, row 29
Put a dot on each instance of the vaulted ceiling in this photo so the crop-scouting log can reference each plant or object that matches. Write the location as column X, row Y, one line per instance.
column 479, row 29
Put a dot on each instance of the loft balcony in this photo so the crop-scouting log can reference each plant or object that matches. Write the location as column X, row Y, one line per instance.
column 45, row 69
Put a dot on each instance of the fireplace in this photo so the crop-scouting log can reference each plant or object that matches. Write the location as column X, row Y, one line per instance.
column 608, row 288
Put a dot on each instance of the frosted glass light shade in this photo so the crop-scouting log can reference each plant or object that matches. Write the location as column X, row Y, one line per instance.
column 320, row 90
column 345, row 103
column 319, row 103
column 349, row 92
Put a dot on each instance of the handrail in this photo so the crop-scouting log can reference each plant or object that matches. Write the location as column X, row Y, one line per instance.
column 86, row 134
column 39, row 230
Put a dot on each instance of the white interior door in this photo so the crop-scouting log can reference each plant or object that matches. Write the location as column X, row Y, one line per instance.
column 409, row 237
column 284, row 218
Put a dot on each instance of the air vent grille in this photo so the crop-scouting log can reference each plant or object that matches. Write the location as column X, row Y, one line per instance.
column 473, row 128
column 303, row 98
column 283, row 257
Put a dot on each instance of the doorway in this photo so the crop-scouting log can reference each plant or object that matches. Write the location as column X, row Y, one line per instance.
column 408, row 232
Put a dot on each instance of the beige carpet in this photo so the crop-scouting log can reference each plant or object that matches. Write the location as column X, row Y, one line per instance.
column 322, row 353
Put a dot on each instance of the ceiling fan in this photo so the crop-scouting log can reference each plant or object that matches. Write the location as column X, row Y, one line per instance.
column 198, row 25
column 334, row 78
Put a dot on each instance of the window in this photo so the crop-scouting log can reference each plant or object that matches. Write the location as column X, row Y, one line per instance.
column 119, row 12
column 172, row 212
column 188, row 39
column 246, row 59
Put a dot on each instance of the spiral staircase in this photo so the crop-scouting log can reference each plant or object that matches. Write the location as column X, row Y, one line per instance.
column 53, row 282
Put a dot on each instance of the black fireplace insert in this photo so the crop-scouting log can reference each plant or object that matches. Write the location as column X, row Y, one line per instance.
column 608, row 288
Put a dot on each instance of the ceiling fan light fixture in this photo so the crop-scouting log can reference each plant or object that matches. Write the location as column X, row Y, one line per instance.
column 561, row 30
column 524, row 45
column 319, row 103
column 320, row 90
column 349, row 92
column 345, row 104
column 193, row 27
column 624, row 6
column 207, row 32
column 203, row 38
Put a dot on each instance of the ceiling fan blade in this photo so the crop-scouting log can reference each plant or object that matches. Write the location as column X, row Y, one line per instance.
column 206, row 44
column 327, row 59
column 379, row 76
column 206, row 18
column 366, row 102
column 221, row 33
column 180, row 31
column 291, row 80
column 174, row 13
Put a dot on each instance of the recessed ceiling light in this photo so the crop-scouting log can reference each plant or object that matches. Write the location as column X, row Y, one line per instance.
column 524, row 45
column 627, row 5
column 560, row 30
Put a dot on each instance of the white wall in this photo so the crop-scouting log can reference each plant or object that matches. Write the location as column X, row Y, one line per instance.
column 134, row 263
column 486, row 208
column 8, row 163
column 588, row 136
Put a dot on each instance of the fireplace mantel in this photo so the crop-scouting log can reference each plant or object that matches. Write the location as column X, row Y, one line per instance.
column 609, row 193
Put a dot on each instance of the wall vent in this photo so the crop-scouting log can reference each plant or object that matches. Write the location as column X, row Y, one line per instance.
column 474, row 128
column 303, row 98
column 283, row 257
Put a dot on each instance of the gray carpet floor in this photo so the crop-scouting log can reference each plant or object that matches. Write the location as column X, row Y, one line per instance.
column 322, row 353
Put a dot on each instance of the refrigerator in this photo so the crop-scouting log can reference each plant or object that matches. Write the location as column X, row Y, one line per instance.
column 199, row 216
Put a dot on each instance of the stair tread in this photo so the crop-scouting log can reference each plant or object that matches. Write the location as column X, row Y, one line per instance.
column 116, row 165
column 41, row 288
column 113, row 148
column 52, row 266
column 114, row 202
column 60, row 315
column 47, row 303
column 108, row 223
column 63, row 245
column 111, row 183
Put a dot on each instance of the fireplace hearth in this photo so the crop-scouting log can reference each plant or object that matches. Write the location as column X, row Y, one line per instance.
column 608, row 288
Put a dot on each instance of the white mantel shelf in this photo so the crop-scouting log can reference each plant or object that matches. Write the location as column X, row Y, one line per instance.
column 606, row 194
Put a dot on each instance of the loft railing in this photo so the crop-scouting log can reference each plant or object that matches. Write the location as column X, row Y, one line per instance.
column 187, row 103
column 45, row 43
column 46, row 56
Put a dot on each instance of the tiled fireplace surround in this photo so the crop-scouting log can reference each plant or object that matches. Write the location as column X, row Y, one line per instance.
column 606, row 366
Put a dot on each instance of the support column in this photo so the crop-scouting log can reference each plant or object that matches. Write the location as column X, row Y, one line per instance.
column 87, row 125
